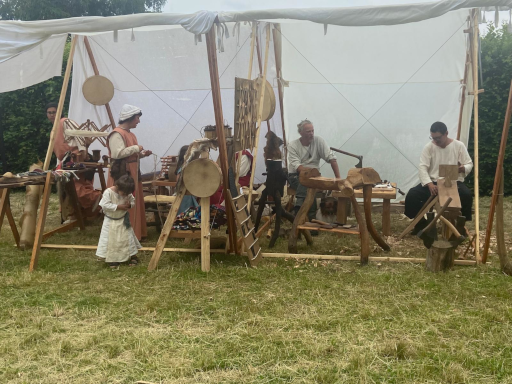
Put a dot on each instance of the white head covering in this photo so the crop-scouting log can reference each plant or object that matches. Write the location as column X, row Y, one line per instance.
column 128, row 111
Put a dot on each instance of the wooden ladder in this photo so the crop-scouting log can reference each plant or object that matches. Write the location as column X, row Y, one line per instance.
column 246, row 228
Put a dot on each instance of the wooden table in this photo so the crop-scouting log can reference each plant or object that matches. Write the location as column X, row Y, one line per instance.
column 386, row 194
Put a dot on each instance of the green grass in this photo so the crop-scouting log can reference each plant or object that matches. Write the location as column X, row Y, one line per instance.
column 287, row 321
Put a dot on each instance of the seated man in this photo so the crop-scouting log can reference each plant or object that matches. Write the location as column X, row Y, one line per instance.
column 306, row 152
column 441, row 150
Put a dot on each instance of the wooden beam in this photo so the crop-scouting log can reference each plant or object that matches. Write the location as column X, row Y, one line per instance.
column 475, row 130
column 263, row 79
column 96, row 72
column 498, row 175
column 276, row 38
column 60, row 106
column 219, row 123
column 41, row 219
column 363, row 232
column 261, row 69
column 143, row 249
column 61, row 228
column 205, row 234
column 463, row 90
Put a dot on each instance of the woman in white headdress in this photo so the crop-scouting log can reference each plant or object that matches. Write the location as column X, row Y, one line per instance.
column 125, row 152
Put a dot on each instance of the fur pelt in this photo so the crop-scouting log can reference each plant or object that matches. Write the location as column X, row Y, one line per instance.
column 194, row 150
column 271, row 150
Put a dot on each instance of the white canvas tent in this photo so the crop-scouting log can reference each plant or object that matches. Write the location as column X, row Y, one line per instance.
column 372, row 79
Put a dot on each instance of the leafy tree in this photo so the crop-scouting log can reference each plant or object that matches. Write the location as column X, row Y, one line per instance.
column 496, row 47
column 24, row 128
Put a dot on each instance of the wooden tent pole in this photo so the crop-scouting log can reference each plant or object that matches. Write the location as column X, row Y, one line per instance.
column 60, row 106
column 475, row 129
column 463, row 97
column 498, row 175
column 96, row 72
column 219, row 123
column 260, row 67
column 277, row 55
column 260, row 112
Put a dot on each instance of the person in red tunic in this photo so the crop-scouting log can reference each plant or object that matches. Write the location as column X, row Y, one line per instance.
column 125, row 152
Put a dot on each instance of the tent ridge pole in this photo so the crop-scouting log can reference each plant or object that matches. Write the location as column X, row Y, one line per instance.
column 277, row 58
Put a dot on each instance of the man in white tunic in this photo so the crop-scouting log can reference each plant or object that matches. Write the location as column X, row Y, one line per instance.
column 306, row 152
column 440, row 150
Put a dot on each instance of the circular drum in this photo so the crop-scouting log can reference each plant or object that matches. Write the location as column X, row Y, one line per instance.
column 202, row 177
column 269, row 102
column 98, row 90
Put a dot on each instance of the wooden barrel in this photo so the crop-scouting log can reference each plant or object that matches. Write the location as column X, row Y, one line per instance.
column 202, row 177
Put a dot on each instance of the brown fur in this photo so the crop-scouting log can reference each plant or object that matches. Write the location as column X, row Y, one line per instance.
column 328, row 206
column 271, row 150
column 194, row 150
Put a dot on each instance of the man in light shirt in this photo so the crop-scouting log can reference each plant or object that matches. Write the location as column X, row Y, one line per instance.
column 306, row 152
column 440, row 150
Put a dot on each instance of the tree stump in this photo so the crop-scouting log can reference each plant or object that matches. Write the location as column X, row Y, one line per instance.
column 440, row 256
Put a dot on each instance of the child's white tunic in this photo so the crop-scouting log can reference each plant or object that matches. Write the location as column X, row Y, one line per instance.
column 117, row 243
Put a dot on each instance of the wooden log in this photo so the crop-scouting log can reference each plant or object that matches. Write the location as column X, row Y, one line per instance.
column 363, row 232
column 362, row 176
column 41, row 220
column 476, row 161
column 498, row 177
column 311, row 178
column 440, row 256
column 205, row 234
column 367, row 196
column 219, row 123
column 300, row 219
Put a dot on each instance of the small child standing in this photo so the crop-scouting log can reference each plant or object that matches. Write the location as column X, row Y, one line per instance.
column 118, row 242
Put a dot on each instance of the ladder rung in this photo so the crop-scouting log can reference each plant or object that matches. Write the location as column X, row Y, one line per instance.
column 245, row 221
column 250, row 231
column 252, row 245
column 241, row 209
column 256, row 256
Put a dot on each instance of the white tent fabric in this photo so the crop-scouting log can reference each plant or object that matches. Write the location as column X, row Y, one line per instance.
column 167, row 76
column 375, row 91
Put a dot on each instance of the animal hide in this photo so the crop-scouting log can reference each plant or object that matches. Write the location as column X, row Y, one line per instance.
column 271, row 150
column 194, row 150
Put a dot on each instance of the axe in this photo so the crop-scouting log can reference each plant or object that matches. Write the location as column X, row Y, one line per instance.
column 358, row 165
column 455, row 233
column 424, row 234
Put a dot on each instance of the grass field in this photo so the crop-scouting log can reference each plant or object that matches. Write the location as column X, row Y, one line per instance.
column 287, row 321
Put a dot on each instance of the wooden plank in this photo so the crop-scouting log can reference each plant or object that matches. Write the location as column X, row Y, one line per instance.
column 341, row 210
column 445, row 192
column 12, row 223
column 219, row 123
column 344, row 231
column 386, row 217
column 166, row 230
column 41, row 220
column 377, row 193
column 60, row 106
column 60, row 229
column 143, row 249
column 205, row 234
column 4, row 202
column 432, row 200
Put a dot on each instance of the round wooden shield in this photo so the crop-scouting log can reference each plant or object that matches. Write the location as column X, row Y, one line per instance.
column 98, row 90
column 269, row 102
column 202, row 177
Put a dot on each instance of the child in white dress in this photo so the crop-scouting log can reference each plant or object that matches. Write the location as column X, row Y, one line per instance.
column 118, row 242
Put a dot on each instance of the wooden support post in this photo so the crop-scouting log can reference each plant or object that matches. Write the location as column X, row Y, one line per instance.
column 219, row 123
column 475, row 129
column 96, row 72
column 101, row 176
column 463, row 90
column 300, row 219
column 498, row 178
column 505, row 262
column 341, row 210
column 12, row 223
column 205, row 234
column 60, row 106
column 166, row 230
column 363, row 232
column 260, row 67
column 276, row 35
column 367, row 197
column 263, row 79
column 71, row 191
column 386, row 217
column 41, row 219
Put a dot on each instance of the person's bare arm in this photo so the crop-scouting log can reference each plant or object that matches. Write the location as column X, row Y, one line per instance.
column 335, row 168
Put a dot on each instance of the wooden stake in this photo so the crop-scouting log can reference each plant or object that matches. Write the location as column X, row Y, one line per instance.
column 276, row 34
column 260, row 111
column 60, row 106
column 143, row 249
column 205, row 234
column 219, row 123
column 96, row 72
column 498, row 178
column 41, row 219
column 475, row 129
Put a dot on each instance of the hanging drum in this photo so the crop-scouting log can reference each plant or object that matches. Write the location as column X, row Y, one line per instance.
column 202, row 177
column 98, row 90
column 269, row 102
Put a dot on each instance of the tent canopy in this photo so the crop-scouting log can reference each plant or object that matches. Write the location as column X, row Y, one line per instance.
column 373, row 90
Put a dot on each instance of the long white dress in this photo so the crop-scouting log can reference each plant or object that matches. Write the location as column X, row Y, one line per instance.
column 117, row 243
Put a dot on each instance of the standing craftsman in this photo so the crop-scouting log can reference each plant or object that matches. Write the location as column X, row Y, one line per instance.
column 440, row 150
column 306, row 152
column 125, row 152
